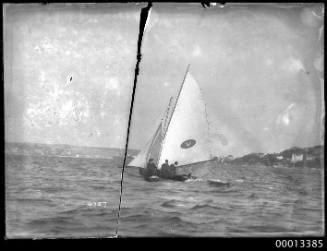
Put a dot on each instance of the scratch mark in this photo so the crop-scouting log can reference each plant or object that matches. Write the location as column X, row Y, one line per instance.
column 205, row 4
column 143, row 20
column 209, row 4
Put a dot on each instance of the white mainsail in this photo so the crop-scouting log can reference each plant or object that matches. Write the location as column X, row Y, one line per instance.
column 183, row 133
column 186, row 137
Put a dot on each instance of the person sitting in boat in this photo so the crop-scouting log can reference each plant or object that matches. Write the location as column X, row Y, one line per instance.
column 172, row 169
column 164, row 169
column 151, row 169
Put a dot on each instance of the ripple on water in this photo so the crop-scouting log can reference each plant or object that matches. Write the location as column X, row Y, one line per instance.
column 49, row 198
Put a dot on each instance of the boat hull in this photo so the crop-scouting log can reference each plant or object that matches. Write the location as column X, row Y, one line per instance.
column 185, row 172
column 142, row 171
column 196, row 168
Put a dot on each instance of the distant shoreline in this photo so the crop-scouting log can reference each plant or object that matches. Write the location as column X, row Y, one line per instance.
column 292, row 157
column 58, row 156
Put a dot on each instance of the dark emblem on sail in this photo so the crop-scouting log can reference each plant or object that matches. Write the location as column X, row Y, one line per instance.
column 188, row 143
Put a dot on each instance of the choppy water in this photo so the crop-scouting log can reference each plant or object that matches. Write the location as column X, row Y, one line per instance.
column 59, row 197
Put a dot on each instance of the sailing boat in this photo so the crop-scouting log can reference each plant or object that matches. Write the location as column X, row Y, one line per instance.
column 182, row 135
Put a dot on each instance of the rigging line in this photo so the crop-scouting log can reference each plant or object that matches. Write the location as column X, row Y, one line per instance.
column 167, row 113
column 172, row 114
column 163, row 128
column 177, row 98
column 153, row 140
column 160, row 125
column 143, row 19
column 208, row 124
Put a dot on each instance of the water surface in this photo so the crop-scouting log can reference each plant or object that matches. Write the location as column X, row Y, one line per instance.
column 61, row 197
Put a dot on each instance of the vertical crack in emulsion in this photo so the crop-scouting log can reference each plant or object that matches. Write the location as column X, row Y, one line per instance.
column 143, row 20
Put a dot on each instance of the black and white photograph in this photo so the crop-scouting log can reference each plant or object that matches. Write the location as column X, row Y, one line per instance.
column 164, row 120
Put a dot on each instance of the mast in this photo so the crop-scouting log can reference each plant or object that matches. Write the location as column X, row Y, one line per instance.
column 167, row 113
column 179, row 92
column 160, row 129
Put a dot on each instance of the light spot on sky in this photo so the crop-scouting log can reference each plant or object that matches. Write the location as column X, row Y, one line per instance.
column 196, row 51
column 285, row 117
column 48, row 46
column 117, row 121
column 319, row 63
column 166, row 84
column 97, row 132
column 293, row 65
column 268, row 62
column 112, row 84
column 102, row 114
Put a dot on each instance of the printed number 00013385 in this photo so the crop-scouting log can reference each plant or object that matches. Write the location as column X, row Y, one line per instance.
column 299, row 243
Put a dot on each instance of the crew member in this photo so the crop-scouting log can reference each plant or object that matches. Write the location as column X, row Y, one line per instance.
column 151, row 169
column 172, row 169
column 164, row 172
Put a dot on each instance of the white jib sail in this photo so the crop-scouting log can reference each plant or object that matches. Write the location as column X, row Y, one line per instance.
column 154, row 149
column 140, row 159
column 151, row 150
column 186, row 139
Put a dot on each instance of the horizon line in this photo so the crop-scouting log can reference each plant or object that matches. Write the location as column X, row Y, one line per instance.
column 63, row 144
column 118, row 148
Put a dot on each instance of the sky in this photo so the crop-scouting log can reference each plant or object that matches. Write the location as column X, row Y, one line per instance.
column 69, row 73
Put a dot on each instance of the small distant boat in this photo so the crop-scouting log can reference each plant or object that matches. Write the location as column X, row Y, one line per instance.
column 218, row 183
column 182, row 135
